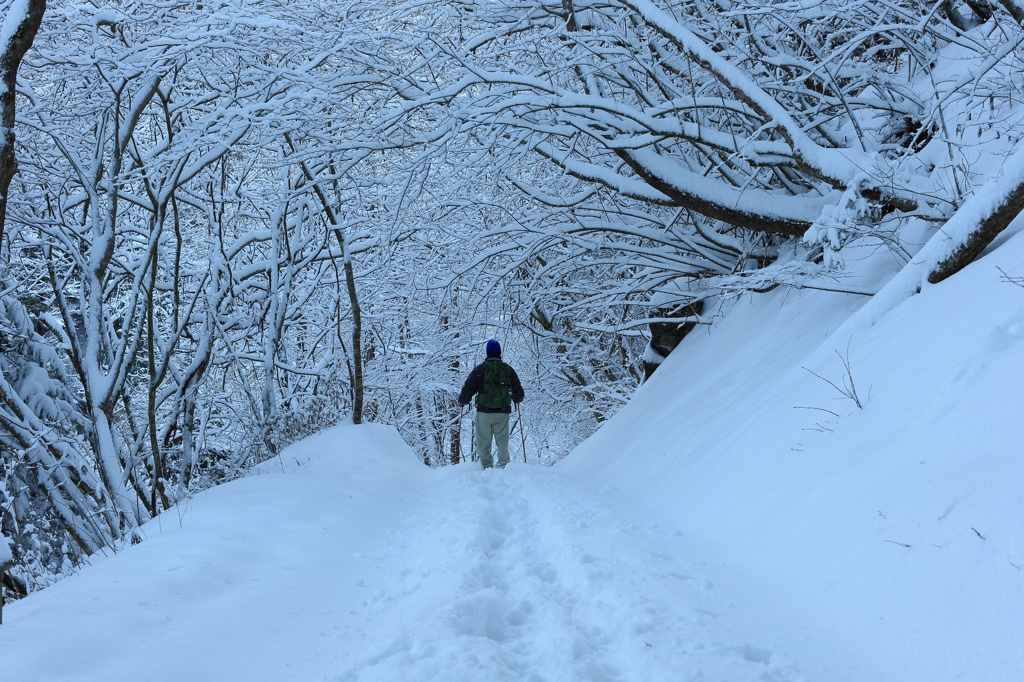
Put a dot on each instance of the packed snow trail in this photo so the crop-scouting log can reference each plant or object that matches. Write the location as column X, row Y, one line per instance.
column 353, row 562
column 518, row 575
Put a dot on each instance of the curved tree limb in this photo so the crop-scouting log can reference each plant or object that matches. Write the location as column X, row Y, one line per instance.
column 19, row 30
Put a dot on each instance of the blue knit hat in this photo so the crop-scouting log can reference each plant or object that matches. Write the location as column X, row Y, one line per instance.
column 493, row 349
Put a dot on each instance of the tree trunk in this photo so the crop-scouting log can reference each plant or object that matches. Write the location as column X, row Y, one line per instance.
column 994, row 223
column 456, row 444
column 666, row 336
column 570, row 16
column 4, row 567
column 1015, row 10
column 10, row 59
column 357, row 332
column 350, row 284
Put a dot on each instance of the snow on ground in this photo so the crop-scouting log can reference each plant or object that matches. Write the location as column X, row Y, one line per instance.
column 356, row 563
column 739, row 520
column 882, row 543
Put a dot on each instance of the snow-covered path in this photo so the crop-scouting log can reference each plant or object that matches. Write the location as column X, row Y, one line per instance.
column 523, row 576
column 358, row 564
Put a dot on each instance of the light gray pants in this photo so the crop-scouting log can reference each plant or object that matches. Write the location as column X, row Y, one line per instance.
column 492, row 425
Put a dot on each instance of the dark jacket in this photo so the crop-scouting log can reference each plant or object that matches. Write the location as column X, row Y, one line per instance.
column 475, row 382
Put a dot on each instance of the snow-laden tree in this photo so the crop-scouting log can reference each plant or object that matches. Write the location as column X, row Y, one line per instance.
column 236, row 222
column 132, row 124
column 702, row 148
column 177, row 311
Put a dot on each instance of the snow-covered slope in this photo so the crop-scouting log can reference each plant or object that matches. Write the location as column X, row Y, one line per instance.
column 881, row 543
column 739, row 520
column 349, row 561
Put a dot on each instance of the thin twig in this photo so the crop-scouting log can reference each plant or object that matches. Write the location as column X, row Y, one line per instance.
column 822, row 409
column 1019, row 281
column 848, row 389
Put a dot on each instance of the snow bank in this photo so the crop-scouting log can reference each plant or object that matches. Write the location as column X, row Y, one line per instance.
column 346, row 561
column 883, row 543
column 244, row 581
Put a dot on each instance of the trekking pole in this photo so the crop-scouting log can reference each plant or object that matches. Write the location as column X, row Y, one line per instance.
column 522, row 432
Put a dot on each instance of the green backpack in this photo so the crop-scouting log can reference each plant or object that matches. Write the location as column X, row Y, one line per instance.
column 496, row 393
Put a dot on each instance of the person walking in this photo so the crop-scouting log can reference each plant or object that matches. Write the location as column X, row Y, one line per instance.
column 496, row 386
